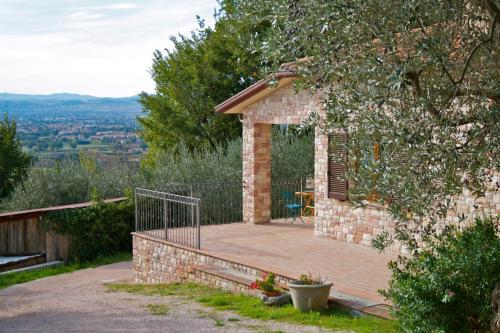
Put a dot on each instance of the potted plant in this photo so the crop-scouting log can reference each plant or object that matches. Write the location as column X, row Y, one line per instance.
column 309, row 293
column 267, row 286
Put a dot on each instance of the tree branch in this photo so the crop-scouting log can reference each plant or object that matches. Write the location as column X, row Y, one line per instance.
column 471, row 54
column 443, row 66
column 414, row 78
column 492, row 9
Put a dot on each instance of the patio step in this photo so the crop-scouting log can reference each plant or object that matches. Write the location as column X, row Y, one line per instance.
column 226, row 274
column 359, row 305
column 232, row 275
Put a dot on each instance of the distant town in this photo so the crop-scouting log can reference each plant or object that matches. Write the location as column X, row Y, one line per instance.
column 62, row 126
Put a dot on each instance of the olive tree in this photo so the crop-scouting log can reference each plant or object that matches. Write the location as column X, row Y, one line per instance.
column 415, row 86
column 418, row 80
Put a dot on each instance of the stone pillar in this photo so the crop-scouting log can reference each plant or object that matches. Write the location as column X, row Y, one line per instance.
column 321, row 201
column 256, row 171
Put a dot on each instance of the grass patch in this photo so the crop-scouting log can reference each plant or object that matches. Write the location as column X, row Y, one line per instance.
column 158, row 309
column 252, row 307
column 219, row 322
column 10, row 279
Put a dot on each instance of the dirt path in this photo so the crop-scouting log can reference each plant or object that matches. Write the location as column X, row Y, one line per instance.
column 78, row 302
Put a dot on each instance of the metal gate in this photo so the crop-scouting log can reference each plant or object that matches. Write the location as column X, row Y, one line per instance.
column 168, row 216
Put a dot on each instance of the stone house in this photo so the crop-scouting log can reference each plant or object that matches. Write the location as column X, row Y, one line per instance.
column 262, row 105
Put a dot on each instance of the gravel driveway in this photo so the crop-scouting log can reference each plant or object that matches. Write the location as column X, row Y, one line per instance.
column 78, row 302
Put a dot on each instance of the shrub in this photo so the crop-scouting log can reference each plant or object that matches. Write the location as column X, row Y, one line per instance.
column 73, row 182
column 447, row 286
column 100, row 230
column 217, row 165
column 292, row 158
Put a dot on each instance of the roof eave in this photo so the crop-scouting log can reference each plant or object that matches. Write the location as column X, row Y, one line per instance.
column 234, row 103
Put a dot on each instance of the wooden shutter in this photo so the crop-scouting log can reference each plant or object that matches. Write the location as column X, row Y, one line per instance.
column 337, row 184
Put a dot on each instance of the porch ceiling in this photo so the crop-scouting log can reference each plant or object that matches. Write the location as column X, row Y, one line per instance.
column 291, row 250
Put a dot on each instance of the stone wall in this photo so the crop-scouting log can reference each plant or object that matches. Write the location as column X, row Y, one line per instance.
column 340, row 220
column 159, row 261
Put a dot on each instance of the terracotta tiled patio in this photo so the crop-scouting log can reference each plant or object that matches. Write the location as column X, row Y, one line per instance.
column 291, row 250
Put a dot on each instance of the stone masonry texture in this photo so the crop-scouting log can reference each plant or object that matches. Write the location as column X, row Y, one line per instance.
column 156, row 261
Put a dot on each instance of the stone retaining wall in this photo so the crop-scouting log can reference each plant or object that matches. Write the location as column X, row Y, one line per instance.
column 159, row 261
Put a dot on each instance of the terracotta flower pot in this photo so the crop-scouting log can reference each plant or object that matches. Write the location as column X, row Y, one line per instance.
column 310, row 297
column 272, row 293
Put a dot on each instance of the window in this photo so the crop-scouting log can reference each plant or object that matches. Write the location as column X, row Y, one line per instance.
column 338, row 185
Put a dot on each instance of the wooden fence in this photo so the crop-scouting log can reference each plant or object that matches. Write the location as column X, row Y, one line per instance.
column 21, row 233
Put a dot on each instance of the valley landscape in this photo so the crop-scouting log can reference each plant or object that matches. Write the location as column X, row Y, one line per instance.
column 61, row 126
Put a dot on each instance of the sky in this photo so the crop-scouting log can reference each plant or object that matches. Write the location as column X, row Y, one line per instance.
column 100, row 48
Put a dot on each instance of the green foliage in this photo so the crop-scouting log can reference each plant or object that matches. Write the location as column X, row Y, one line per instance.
column 14, row 163
column 102, row 229
column 158, row 309
column 71, row 182
column 10, row 279
column 201, row 71
column 418, row 77
column 308, row 280
column 75, row 181
column 267, row 285
column 448, row 286
column 292, row 155
column 190, row 167
column 292, row 158
column 252, row 307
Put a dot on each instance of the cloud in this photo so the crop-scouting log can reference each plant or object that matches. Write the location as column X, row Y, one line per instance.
column 98, row 11
column 104, row 50
column 85, row 15
column 122, row 6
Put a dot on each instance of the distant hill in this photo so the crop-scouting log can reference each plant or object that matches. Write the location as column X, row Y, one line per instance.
column 58, row 97
column 28, row 109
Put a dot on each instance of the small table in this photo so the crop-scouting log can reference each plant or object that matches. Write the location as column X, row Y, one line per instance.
column 308, row 207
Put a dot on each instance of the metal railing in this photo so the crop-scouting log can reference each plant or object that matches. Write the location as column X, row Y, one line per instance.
column 221, row 203
column 168, row 216
column 176, row 212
